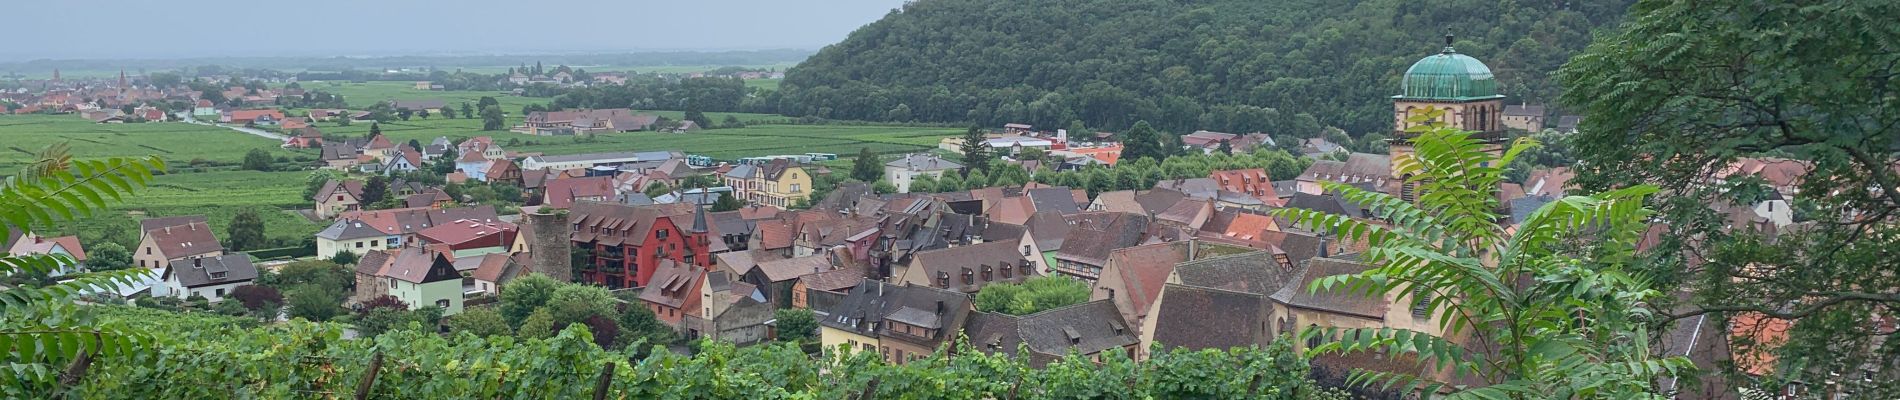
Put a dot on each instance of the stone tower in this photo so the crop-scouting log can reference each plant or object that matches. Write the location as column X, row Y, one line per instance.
column 549, row 246
column 1461, row 86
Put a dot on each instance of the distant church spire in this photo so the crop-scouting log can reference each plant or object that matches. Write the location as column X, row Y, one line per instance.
column 56, row 74
column 121, row 77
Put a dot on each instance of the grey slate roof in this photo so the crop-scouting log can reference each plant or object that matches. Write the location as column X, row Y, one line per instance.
column 923, row 162
column 1206, row 318
column 1252, row 272
column 349, row 229
column 1341, row 301
column 1086, row 328
column 198, row 272
column 1057, row 199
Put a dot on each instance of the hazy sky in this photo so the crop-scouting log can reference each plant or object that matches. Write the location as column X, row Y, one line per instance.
column 194, row 28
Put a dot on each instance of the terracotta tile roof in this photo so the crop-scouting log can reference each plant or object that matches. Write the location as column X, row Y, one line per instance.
column 465, row 231
column 148, row 224
column 671, row 283
column 247, row 115
column 1549, row 182
column 403, row 221
column 1143, row 270
column 561, row 193
column 1239, row 226
column 793, row 268
column 35, row 244
column 333, row 187
column 418, row 265
column 1092, row 240
column 1118, row 201
column 1253, row 182
column 494, row 266
column 775, row 234
column 1768, row 334
column 834, row 280
column 185, row 240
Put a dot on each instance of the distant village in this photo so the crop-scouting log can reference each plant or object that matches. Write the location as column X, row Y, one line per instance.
column 1194, row 263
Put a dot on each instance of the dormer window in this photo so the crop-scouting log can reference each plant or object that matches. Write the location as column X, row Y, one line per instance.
column 969, row 277
column 986, row 273
column 217, row 275
column 943, row 279
column 1006, row 272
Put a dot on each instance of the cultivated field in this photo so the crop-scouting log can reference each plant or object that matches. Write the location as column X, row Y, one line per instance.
column 177, row 143
column 724, row 144
column 214, row 187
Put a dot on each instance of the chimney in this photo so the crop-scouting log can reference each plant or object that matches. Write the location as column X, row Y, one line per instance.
column 940, row 307
column 197, row 263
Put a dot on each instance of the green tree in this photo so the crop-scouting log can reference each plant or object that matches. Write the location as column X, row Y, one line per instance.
column 693, row 114
column 976, row 149
column 108, row 256
column 448, row 112
column 313, row 303
column 467, row 110
column 1034, row 295
column 344, row 258
column 480, row 321
column 375, row 129
column 492, row 118
column 246, row 231
column 1225, row 147
column 526, row 294
column 572, row 303
column 1551, row 300
column 949, row 183
column 487, row 101
column 923, row 184
column 797, row 324
column 866, row 168
column 1142, row 141
column 376, row 189
column 256, row 160
column 638, row 323
column 1684, row 90
column 727, row 203
column 424, row 113
column 404, row 114
column 538, row 325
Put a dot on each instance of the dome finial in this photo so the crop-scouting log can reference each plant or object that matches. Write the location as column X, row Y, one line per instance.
column 1448, row 39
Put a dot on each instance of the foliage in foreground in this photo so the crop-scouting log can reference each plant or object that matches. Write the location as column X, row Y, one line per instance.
column 1544, row 310
column 41, row 331
column 305, row 360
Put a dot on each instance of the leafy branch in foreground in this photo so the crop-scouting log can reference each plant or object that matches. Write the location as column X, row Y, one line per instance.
column 1543, row 309
column 43, row 336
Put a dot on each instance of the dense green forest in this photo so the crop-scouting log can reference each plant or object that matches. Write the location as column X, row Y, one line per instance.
column 1281, row 66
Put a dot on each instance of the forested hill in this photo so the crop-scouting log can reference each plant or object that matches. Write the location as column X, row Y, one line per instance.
column 1230, row 65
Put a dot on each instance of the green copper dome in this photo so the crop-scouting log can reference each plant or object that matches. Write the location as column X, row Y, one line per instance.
column 1448, row 76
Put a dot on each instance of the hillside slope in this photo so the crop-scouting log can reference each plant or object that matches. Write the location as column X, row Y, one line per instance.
column 1234, row 65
